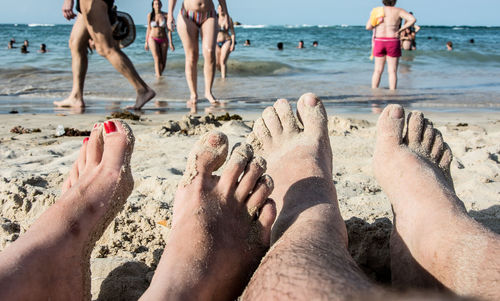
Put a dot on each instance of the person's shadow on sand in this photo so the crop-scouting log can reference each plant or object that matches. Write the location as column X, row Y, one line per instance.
column 126, row 282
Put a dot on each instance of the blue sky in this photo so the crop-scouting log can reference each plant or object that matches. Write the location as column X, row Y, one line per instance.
column 292, row 12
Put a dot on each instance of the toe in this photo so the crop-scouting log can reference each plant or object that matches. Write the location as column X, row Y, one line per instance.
column 415, row 129
column 446, row 158
column 272, row 121
column 428, row 138
column 312, row 114
column 262, row 134
column 253, row 172
column 238, row 160
column 73, row 175
column 390, row 125
column 82, row 157
column 261, row 192
column 437, row 148
column 267, row 217
column 95, row 146
column 285, row 114
column 207, row 156
column 118, row 144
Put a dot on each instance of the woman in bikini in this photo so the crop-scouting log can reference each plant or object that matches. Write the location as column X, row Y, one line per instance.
column 225, row 41
column 157, row 38
column 197, row 17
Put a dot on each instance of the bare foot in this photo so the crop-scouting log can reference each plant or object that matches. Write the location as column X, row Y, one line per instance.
column 51, row 261
column 212, row 99
column 309, row 257
column 221, row 226
column 142, row 98
column 71, row 101
column 431, row 221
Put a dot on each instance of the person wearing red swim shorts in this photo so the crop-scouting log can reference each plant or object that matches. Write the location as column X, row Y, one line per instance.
column 386, row 42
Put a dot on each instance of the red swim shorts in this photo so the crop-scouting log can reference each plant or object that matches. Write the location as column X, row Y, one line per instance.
column 387, row 46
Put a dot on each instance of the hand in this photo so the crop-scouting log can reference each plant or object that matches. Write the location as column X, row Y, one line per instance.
column 232, row 47
column 67, row 10
column 170, row 23
column 396, row 35
column 172, row 47
column 146, row 47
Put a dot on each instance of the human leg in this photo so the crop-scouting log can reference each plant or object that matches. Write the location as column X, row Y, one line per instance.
column 225, row 52
column 51, row 261
column 220, row 228
column 164, row 53
column 309, row 257
column 377, row 71
column 78, row 43
column 208, row 40
column 392, row 70
column 413, row 170
column 188, row 32
column 96, row 19
column 155, row 49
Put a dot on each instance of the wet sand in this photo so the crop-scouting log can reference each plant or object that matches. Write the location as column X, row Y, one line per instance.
column 34, row 165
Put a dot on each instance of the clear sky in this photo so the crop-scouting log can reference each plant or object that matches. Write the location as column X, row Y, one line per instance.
column 279, row 12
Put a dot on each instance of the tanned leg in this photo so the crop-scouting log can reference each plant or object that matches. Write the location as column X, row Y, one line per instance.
column 189, row 32
column 392, row 71
column 221, row 226
column 377, row 71
column 414, row 171
column 51, row 261
column 309, row 259
column 209, row 35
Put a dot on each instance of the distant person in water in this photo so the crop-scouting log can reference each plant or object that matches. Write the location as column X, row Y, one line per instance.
column 11, row 45
column 226, row 41
column 387, row 46
column 406, row 40
column 247, row 43
column 24, row 49
column 449, row 46
column 315, row 44
column 301, row 45
column 43, row 48
column 158, row 38
column 414, row 30
column 198, row 19
column 26, row 43
column 94, row 22
column 471, row 41
column 280, row 46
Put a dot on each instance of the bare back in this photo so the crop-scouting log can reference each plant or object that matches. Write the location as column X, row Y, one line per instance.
column 199, row 5
column 392, row 22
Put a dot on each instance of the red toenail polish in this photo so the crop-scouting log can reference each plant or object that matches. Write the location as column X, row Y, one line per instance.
column 109, row 127
column 85, row 140
column 95, row 125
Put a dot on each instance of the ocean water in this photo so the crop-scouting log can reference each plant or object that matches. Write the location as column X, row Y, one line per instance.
column 339, row 70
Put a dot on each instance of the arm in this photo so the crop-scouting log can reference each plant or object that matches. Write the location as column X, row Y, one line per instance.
column 170, row 17
column 67, row 9
column 409, row 20
column 233, row 35
column 147, row 33
column 170, row 41
column 369, row 25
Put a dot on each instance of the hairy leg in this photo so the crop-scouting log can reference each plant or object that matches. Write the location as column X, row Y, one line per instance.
column 392, row 70
column 188, row 32
column 221, row 227
column 208, row 41
column 78, row 43
column 377, row 71
column 96, row 18
column 431, row 221
column 51, row 261
column 309, row 257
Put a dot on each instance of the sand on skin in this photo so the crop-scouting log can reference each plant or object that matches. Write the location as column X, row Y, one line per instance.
column 33, row 167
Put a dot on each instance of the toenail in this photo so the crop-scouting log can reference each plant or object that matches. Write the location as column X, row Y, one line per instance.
column 96, row 125
column 396, row 112
column 109, row 127
column 311, row 100
column 85, row 140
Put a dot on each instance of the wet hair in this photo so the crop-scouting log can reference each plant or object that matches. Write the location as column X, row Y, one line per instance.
column 389, row 2
column 247, row 42
column 280, row 46
column 43, row 46
column 153, row 9
column 449, row 43
column 301, row 42
column 11, row 43
column 471, row 41
column 315, row 43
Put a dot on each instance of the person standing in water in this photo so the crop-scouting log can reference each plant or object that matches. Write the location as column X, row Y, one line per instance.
column 158, row 39
column 94, row 22
column 198, row 18
column 225, row 41
column 387, row 46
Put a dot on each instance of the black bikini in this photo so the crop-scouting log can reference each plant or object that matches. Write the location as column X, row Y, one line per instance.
column 111, row 12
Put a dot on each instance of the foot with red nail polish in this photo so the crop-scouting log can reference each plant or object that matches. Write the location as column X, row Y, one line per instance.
column 221, row 225
column 51, row 261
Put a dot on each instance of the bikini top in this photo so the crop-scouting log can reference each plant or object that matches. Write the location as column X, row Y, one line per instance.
column 162, row 24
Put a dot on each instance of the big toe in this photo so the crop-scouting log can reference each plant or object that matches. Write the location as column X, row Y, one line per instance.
column 118, row 144
column 312, row 114
column 207, row 156
column 390, row 126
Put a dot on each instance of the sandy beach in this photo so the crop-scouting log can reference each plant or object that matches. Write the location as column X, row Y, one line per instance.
column 34, row 165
